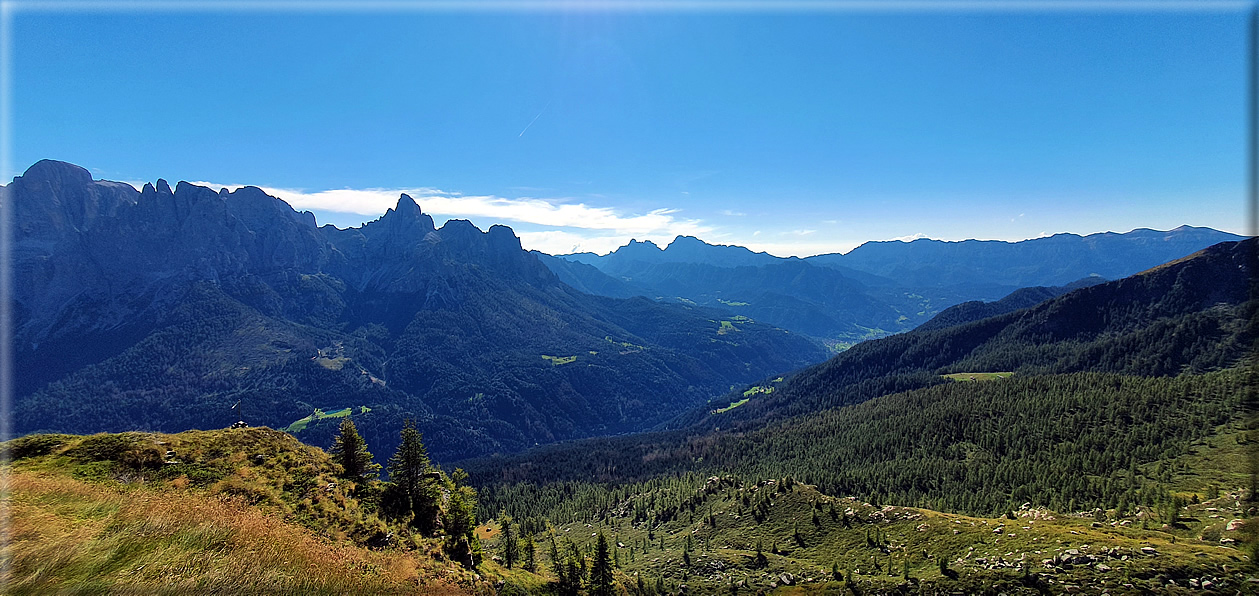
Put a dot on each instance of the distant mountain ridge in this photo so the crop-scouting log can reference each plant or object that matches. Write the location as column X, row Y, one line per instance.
column 1018, row 299
column 1052, row 261
column 683, row 249
column 1049, row 261
column 877, row 289
column 158, row 309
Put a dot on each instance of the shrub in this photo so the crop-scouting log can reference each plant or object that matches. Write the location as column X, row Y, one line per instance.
column 102, row 447
column 33, row 445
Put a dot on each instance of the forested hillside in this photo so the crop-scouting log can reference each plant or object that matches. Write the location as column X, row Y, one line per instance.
column 1066, row 442
column 1106, row 379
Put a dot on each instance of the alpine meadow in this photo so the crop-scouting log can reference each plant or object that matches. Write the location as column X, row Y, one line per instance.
column 597, row 298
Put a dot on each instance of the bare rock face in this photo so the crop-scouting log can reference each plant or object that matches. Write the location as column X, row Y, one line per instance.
column 92, row 256
column 72, row 200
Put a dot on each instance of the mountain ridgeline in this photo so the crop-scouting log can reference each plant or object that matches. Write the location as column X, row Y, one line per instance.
column 878, row 288
column 160, row 309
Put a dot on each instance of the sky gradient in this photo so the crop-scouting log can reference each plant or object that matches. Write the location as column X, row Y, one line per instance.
column 797, row 132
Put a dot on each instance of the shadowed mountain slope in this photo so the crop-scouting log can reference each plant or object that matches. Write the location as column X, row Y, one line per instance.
column 160, row 309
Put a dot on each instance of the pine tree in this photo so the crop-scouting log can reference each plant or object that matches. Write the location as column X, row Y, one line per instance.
column 508, row 539
column 350, row 451
column 601, row 569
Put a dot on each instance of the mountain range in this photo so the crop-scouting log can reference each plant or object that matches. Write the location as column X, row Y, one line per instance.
column 876, row 289
column 160, row 309
column 163, row 308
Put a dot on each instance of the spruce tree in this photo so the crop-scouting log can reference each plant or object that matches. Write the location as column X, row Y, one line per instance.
column 350, row 451
column 407, row 470
column 601, row 569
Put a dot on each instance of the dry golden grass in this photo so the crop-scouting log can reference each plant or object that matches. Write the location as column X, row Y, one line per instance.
column 71, row 536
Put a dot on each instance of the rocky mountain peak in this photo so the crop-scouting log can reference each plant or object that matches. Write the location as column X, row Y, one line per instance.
column 57, row 174
column 407, row 207
column 61, row 198
column 404, row 223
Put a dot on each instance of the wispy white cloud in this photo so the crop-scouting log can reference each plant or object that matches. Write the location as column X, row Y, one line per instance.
column 559, row 242
column 909, row 238
column 590, row 228
column 732, row 213
column 801, row 249
column 803, row 232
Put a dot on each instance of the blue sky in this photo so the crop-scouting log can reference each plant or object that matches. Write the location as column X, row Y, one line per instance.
column 797, row 132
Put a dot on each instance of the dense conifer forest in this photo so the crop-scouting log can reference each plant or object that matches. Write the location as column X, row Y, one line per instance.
column 1065, row 442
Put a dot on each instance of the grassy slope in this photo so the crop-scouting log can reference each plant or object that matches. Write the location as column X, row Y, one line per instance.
column 96, row 514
